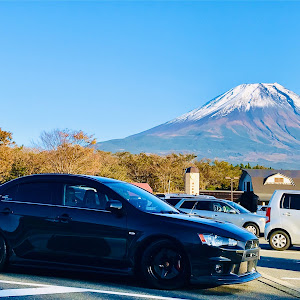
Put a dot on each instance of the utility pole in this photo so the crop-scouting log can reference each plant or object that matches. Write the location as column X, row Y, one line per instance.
column 231, row 184
column 169, row 186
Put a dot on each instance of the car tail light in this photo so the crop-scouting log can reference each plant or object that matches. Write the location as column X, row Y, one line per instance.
column 268, row 214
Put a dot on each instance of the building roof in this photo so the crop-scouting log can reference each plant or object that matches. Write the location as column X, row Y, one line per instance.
column 265, row 191
column 144, row 186
column 267, row 172
column 192, row 170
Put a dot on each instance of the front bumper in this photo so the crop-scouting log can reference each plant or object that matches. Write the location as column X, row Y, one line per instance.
column 225, row 266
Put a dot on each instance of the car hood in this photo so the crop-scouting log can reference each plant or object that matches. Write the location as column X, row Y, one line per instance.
column 205, row 225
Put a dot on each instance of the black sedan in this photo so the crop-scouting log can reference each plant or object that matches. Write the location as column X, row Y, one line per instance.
column 75, row 221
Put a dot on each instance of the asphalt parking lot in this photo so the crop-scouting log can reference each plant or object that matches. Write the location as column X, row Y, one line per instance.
column 280, row 280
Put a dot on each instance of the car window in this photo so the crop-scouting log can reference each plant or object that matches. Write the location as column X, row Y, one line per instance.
column 10, row 193
column 188, row 204
column 285, row 201
column 140, row 198
column 241, row 209
column 221, row 207
column 204, row 205
column 295, row 202
column 217, row 207
column 35, row 192
column 84, row 196
column 290, row 201
column 173, row 201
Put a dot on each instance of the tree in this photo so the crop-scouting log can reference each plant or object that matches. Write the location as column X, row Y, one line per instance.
column 56, row 138
column 69, row 151
column 6, row 138
column 212, row 174
column 6, row 154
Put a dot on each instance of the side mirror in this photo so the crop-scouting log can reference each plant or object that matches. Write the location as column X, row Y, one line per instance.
column 114, row 205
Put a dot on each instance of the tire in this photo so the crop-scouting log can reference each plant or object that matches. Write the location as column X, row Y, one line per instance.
column 165, row 266
column 3, row 254
column 279, row 240
column 252, row 228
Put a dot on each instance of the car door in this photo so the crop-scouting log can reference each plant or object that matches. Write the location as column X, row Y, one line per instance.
column 26, row 217
column 204, row 209
column 290, row 215
column 224, row 212
column 87, row 233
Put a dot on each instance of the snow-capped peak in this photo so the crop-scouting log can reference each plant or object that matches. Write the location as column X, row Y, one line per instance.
column 243, row 98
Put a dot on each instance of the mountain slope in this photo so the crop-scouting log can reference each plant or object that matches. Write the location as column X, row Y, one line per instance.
column 256, row 123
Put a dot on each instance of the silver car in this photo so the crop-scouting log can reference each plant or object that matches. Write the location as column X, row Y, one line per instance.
column 283, row 219
column 224, row 210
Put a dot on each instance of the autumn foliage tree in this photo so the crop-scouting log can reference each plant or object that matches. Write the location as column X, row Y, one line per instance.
column 68, row 151
column 71, row 151
column 6, row 154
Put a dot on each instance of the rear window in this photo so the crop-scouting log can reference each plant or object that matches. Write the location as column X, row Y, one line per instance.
column 290, row 201
column 36, row 192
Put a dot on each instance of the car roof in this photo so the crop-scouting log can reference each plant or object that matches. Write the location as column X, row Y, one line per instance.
column 210, row 198
column 53, row 176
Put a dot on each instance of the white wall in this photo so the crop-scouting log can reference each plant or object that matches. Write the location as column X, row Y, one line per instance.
column 191, row 183
column 271, row 179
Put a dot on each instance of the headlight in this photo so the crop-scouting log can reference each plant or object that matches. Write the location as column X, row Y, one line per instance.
column 216, row 241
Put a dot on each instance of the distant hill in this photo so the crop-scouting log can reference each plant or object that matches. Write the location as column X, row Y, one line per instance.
column 256, row 123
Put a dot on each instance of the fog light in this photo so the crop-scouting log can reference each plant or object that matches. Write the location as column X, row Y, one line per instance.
column 218, row 269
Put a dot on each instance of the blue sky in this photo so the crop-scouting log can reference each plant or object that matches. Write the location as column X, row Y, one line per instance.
column 116, row 68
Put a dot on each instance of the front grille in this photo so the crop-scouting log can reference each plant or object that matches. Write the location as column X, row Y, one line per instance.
column 251, row 244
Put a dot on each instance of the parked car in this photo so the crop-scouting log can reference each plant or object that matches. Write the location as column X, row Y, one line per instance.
column 261, row 210
column 224, row 210
column 283, row 219
column 101, row 224
column 173, row 199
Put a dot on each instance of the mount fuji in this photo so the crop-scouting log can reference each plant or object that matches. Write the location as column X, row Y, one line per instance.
column 256, row 123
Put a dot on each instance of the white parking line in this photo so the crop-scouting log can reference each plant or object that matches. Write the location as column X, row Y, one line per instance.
column 46, row 289
column 25, row 283
column 290, row 278
column 38, row 291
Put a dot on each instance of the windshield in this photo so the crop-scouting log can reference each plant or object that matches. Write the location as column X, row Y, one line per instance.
column 140, row 198
column 239, row 208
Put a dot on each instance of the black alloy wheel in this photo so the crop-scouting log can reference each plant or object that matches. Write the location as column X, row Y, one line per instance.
column 165, row 266
column 253, row 228
column 3, row 253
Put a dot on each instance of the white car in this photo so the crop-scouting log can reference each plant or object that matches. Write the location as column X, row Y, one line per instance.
column 283, row 219
column 224, row 210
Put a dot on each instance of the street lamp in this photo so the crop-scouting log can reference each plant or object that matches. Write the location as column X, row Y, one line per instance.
column 231, row 184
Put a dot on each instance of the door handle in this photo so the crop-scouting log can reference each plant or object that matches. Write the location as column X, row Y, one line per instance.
column 287, row 214
column 6, row 211
column 64, row 218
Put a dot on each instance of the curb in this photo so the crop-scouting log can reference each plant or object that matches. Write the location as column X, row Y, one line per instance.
column 280, row 285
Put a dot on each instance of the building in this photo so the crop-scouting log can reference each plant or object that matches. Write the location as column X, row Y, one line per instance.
column 144, row 186
column 264, row 182
column 191, row 181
